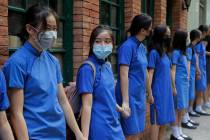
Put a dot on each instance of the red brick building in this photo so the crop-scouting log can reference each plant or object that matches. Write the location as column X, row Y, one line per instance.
column 78, row 18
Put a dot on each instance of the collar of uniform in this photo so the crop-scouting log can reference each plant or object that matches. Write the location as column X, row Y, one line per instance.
column 94, row 58
column 135, row 40
column 29, row 47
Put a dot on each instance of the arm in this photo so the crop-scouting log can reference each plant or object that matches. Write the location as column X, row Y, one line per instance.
column 124, row 89
column 16, row 111
column 86, row 113
column 173, row 74
column 207, row 53
column 149, row 85
column 69, row 115
column 5, row 129
column 198, row 72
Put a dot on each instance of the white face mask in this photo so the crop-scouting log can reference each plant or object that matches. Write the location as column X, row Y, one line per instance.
column 46, row 39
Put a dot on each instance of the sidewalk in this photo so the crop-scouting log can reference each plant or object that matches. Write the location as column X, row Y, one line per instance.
column 202, row 132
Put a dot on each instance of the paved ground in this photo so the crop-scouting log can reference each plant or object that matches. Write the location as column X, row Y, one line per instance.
column 202, row 132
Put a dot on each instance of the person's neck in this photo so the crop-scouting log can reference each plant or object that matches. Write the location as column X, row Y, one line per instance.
column 140, row 37
column 34, row 46
column 193, row 43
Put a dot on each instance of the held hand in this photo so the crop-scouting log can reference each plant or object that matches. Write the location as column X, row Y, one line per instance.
column 150, row 99
column 126, row 111
column 80, row 137
column 174, row 92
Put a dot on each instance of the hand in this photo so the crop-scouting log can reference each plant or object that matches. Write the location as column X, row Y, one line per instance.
column 198, row 74
column 150, row 99
column 174, row 92
column 80, row 137
column 119, row 109
column 126, row 111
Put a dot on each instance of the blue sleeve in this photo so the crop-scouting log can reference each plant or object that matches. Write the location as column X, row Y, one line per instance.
column 198, row 48
column 4, row 102
column 189, row 54
column 175, row 57
column 85, row 79
column 15, row 75
column 58, row 73
column 153, row 56
column 125, row 54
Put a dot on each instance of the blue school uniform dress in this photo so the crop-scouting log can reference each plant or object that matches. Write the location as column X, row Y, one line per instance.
column 181, row 80
column 162, row 111
column 104, row 122
column 38, row 74
column 200, row 85
column 133, row 54
column 4, row 102
column 191, row 56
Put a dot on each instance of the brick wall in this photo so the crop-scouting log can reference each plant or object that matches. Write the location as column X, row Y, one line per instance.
column 179, row 16
column 3, row 31
column 85, row 18
column 159, row 12
column 132, row 8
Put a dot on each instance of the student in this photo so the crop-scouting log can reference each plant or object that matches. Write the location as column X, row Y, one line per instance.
column 132, row 74
column 99, row 118
column 162, row 111
column 5, row 129
column 187, row 122
column 201, row 84
column 180, row 72
column 39, row 105
column 192, row 57
column 207, row 105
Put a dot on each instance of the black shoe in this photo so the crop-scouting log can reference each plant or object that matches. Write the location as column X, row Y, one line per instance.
column 194, row 114
column 174, row 138
column 204, row 113
column 186, row 137
column 194, row 123
column 188, row 125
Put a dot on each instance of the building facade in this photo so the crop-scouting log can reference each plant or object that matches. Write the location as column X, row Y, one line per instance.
column 78, row 18
column 199, row 13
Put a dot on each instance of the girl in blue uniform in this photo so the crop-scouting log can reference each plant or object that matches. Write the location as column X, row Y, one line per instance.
column 180, row 74
column 99, row 118
column 162, row 111
column 192, row 57
column 39, row 108
column 5, row 129
column 132, row 74
column 201, row 84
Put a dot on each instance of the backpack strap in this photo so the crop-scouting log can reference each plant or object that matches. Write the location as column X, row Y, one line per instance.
column 92, row 66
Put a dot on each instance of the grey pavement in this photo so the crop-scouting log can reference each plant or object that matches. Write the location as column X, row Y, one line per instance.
column 202, row 132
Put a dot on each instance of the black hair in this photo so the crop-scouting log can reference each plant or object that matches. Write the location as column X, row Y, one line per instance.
column 180, row 40
column 203, row 28
column 36, row 16
column 194, row 34
column 142, row 21
column 96, row 31
column 158, row 39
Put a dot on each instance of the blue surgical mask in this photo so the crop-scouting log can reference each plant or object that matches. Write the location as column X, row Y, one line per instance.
column 102, row 51
column 46, row 39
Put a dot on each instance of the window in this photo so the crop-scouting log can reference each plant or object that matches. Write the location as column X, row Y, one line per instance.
column 147, row 6
column 112, row 14
column 169, row 13
column 62, row 49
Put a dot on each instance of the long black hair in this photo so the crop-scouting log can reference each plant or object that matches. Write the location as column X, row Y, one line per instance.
column 180, row 41
column 36, row 16
column 142, row 21
column 160, row 40
column 96, row 31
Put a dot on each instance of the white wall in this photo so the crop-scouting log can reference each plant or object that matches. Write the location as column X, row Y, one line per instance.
column 193, row 15
column 208, row 13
